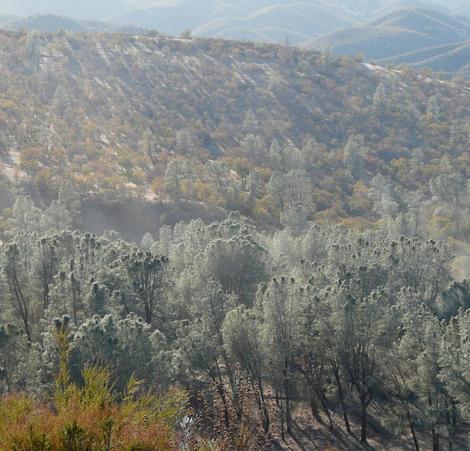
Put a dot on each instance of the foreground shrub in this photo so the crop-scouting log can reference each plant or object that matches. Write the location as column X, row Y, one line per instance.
column 90, row 416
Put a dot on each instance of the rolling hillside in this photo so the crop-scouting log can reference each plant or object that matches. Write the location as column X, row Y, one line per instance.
column 51, row 23
column 167, row 17
column 82, row 10
column 298, row 22
column 119, row 114
column 447, row 59
column 394, row 6
column 408, row 36
column 450, row 61
column 365, row 25
column 264, row 20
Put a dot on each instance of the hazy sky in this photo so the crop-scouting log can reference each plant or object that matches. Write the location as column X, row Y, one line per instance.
column 89, row 9
column 100, row 9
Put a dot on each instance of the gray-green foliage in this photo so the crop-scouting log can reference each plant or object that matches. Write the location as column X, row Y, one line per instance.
column 244, row 343
column 127, row 346
column 291, row 189
column 455, row 362
column 354, row 153
column 25, row 216
column 452, row 193
column 15, row 360
column 321, row 315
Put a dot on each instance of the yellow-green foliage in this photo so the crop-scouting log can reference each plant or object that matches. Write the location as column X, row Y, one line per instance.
column 91, row 416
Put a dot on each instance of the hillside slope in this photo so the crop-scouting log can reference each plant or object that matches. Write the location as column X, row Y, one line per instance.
column 394, row 6
column 122, row 115
column 266, row 20
column 447, row 59
column 298, row 21
column 52, row 23
column 457, row 59
column 84, row 9
column 400, row 32
column 402, row 36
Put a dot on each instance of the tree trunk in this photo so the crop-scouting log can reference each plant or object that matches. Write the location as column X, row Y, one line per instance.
column 363, row 421
column 341, row 399
column 264, row 409
column 45, row 296
column 324, row 403
column 412, row 429
column 282, row 422
column 23, row 308
column 451, row 422
column 221, row 391
column 286, row 392
column 260, row 399
column 74, row 308
column 313, row 404
column 435, row 440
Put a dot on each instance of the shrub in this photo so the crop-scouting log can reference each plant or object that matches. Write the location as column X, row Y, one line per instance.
column 90, row 416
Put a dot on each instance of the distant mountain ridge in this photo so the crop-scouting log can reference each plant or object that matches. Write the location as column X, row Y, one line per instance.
column 448, row 59
column 52, row 23
column 416, row 32
column 420, row 37
column 297, row 21
column 80, row 10
column 267, row 20
column 398, row 5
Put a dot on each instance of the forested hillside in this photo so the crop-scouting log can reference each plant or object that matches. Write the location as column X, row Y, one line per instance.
column 222, row 245
column 262, row 129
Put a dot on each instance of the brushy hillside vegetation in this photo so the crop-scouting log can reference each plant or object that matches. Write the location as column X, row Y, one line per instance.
column 223, row 124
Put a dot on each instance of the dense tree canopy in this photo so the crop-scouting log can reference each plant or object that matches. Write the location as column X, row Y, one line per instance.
column 326, row 317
